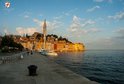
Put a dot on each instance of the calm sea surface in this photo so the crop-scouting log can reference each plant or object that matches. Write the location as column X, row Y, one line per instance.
column 106, row 67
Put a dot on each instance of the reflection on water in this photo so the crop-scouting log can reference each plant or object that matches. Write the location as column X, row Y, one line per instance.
column 105, row 67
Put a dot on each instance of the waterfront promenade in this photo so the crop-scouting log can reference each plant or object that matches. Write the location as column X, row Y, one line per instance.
column 48, row 72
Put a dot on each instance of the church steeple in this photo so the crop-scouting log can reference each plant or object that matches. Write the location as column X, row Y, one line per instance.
column 44, row 33
column 44, row 27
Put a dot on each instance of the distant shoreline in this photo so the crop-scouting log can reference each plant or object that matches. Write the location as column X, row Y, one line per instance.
column 104, row 49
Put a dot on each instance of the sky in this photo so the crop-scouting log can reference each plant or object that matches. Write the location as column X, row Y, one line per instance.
column 99, row 24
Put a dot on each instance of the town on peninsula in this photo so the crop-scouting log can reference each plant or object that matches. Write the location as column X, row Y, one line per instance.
column 53, row 42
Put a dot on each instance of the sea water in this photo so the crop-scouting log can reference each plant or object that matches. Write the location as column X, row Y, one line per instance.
column 103, row 66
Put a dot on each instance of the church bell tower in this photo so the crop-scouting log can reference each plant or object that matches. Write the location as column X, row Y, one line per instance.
column 44, row 34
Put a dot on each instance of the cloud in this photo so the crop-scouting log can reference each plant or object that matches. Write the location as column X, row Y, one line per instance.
column 118, row 16
column 51, row 25
column 98, row 0
column 26, row 16
column 78, row 22
column 88, row 22
column 75, row 27
column 66, row 14
column 58, row 17
column 38, row 22
column 100, row 43
column 22, row 30
column 110, row 1
column 113, row 42
column 104, row 41
column 94, row 30
column 70, row 12
column 6, row 31
column 120, row 33
column 93, row 8
column 78, row 27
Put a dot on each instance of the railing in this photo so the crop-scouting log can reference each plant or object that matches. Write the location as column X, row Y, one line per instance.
column 12, row 58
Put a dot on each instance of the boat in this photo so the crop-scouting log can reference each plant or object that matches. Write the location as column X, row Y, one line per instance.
column 48, row 53
column 51, row 53
column 43, row 52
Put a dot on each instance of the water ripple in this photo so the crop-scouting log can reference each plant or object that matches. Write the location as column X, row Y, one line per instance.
column 105, row 67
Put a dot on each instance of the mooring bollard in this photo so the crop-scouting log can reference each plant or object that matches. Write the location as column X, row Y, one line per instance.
column 32, row 70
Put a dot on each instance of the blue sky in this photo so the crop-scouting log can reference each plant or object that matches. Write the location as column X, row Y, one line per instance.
column 99, row 24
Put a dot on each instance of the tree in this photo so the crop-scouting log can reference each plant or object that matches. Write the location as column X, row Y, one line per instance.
column 55, row 36
column 39, row 36
column 7, row 41
column 60, row 38
column 27, row 36
column 65, row 39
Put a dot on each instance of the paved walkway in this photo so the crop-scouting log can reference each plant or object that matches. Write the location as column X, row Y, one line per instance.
column 48, row 72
